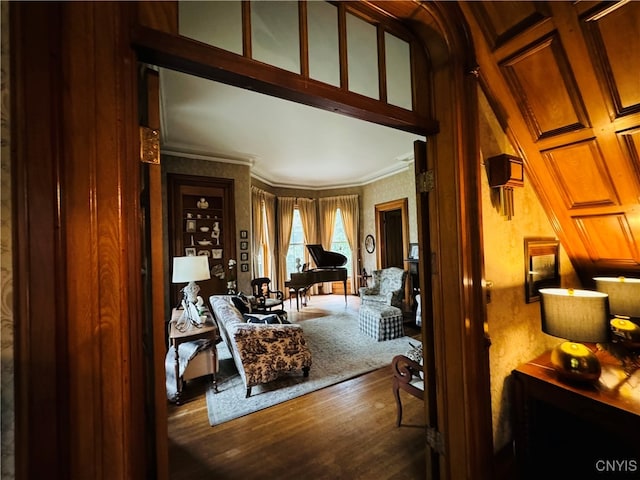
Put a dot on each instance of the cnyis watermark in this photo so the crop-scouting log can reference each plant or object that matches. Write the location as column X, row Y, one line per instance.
column 615, row 465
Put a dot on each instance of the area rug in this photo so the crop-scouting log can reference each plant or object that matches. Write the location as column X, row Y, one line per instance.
column 339, row 352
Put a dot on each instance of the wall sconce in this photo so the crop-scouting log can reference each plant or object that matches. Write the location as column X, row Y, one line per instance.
column 505, row 172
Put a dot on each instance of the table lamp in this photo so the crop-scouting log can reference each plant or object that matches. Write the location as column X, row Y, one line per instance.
column 578, row 316
column 624, row 305
column 191, row 270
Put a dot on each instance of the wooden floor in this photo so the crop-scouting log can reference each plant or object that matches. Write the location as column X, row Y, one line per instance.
column 346, row 431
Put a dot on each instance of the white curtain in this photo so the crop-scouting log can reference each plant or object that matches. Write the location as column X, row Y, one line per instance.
column 309, row 219
column 257, row 215
column 285, row 211
column 270, row 216
column 350, row 209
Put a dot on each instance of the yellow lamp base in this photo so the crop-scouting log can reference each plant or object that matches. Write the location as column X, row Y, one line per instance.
column 575, row 362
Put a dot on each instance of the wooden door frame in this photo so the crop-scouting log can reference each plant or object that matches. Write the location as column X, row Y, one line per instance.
column 84, row 359
column 401, row 204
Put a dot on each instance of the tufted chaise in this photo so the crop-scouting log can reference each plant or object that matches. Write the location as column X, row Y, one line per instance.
column 260, row 352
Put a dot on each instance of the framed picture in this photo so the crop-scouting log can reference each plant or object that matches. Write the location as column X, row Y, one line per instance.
column 413, row 251
column 542, row 268
column 369, row 244
column 190, row 251
column 204, row 253
column 244, row 234
column 244, row 245
column 191, row 225
column 244, row 257
column 216, row 253
column 244, row 267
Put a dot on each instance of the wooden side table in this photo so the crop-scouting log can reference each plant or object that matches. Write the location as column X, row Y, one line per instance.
column 209, row 331
column 577, row 430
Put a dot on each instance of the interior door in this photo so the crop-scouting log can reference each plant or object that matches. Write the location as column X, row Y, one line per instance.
column 393, row 252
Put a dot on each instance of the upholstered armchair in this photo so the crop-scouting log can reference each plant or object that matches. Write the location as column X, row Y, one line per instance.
column 387, row 288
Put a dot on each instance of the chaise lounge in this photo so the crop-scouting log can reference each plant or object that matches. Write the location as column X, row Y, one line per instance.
column 261, row 352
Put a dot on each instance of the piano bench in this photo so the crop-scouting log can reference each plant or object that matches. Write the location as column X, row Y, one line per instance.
column 381, row 322
column 299, row 293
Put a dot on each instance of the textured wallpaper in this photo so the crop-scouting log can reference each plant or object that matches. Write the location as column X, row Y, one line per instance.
column 514, row 325
column 7, row 470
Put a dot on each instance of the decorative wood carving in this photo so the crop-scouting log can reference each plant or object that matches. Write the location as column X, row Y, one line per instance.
column 613, row 56
column 529, row 73
column 581, row 175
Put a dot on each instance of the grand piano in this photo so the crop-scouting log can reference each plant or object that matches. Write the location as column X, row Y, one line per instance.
column 329, row 268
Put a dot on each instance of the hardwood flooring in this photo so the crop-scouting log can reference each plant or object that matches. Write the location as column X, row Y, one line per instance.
column 346, row 431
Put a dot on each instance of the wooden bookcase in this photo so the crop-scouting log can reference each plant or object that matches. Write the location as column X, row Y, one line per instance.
column 202, row 222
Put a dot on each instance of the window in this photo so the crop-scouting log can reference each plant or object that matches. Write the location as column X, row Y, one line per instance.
column 339, row 241
column 296, row 252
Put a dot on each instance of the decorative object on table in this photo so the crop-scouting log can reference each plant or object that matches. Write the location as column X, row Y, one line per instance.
column 204, row 242
column 204, row 229
column 215, row 233
column 369, row 244
column 202, row 203
column 578, row 316
column 542, row 268
column 624, row 305
column 190, row 269
column 218, row 271
column 231, row 278
column 244, row 245
column 244, row 234
column 298, row 265
column 204, row 253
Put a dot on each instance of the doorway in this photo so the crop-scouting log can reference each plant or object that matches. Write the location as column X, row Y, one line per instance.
column 392, row 231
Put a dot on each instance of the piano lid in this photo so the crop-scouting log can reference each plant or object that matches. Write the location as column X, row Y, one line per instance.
column 324, row 258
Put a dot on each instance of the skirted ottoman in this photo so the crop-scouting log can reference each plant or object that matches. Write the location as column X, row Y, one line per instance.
column 382, row 322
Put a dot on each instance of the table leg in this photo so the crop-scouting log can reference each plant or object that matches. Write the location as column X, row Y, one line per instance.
column 177, row 374
column 214, row 358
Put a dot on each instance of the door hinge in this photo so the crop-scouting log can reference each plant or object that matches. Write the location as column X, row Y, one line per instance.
column 149, row 145
column 425, row 182
column 434, row 440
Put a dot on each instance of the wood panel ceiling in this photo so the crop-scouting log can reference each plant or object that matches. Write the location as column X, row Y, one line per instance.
column 564, row 79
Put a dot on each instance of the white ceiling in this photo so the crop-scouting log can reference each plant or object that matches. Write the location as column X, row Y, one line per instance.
column 285, row 143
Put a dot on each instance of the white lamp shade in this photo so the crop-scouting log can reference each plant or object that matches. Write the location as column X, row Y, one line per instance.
column 190, row 269
column 576, row 315
column 624, row 294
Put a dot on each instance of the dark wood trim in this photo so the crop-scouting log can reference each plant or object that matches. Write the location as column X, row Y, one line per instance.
column 205, row 61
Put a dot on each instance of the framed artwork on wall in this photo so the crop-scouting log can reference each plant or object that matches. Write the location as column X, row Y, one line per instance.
column 244, row 234
column 244, row 267
column 244, row 245
column 542, row 266
column 244, row 257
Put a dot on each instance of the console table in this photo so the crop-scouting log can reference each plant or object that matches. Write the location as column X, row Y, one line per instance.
column 208, row 331
column 579, row 430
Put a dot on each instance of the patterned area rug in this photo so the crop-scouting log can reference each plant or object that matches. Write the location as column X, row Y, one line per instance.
column 339, row 352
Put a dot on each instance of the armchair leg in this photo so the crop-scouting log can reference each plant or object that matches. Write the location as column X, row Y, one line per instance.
column 305, row 371
column 396, row 394
column 248, row 392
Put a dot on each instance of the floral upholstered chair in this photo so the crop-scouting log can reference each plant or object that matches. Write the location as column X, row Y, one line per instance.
column 387, row 289
column 261, row 352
